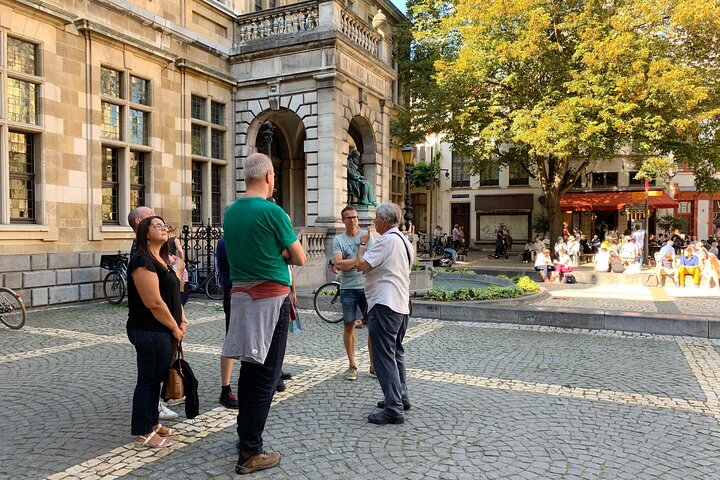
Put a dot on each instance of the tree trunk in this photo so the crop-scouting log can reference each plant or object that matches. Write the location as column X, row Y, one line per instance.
column 554, row 215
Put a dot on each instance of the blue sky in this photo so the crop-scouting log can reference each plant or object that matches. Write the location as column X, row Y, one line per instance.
column 400, row 4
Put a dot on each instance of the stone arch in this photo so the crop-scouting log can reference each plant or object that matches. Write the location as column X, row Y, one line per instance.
column 288, row 155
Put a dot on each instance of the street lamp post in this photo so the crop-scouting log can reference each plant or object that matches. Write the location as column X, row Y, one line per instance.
column 407, row 154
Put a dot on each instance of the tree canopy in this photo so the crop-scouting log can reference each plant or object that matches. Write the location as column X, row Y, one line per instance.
column 553, row 85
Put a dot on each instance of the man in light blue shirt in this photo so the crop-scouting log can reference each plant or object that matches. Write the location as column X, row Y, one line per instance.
column 352, row 284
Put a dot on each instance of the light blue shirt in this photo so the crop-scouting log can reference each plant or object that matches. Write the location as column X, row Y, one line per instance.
column 348, row 247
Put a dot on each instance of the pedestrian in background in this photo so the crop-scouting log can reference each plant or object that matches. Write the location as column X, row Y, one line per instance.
column 155, row 319
column 387, row 264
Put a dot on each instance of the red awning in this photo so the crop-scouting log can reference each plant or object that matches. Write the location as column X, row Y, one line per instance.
column 585, row 202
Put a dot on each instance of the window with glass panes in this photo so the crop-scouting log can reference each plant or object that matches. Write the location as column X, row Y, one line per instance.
column 137, row 179
column 216, row 195
column 126, row 117
column 605, row 179
column 460, row 171
column 518, row 175
column 197, row 190
column 110, row 185
column 489, row 176
column 20, row 129
column 208, row 137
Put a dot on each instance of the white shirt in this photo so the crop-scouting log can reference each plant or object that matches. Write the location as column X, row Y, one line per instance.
column 602, row 261
column 388, row 282
column 639, row 237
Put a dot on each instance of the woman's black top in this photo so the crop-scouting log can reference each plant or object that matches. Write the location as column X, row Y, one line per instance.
column 140, row 317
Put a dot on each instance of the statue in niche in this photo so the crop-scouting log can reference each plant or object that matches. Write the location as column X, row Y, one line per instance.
column 358, row 186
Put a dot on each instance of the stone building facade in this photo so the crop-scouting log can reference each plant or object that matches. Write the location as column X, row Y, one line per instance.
column 110, row 104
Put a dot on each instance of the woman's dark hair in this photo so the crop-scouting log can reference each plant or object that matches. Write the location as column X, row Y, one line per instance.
column 142, row 239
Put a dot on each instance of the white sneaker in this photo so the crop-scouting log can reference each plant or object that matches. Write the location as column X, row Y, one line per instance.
column 165, row 413
column 175, row 401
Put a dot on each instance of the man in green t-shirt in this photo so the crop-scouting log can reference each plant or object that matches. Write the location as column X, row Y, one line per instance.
column 260, row 244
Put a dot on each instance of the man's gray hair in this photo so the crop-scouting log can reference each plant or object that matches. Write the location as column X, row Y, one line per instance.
column 390, row 212
column 139, row 213
column 256, row 166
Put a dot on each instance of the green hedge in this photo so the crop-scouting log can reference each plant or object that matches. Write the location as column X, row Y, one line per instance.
column 523, row 285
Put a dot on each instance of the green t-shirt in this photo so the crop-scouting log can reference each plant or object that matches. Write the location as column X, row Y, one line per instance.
column 256, row 230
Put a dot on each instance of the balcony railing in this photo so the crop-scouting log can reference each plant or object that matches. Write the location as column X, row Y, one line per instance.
column 314, row 15
column 293, row 19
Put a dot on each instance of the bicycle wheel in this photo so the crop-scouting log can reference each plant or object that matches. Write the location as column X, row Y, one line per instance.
column 12, row 309
column 114, row 288
column 438, row 250
column 213, row 287
column 327, row 302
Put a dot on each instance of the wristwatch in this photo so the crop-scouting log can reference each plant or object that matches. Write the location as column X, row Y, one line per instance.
column 363, row 244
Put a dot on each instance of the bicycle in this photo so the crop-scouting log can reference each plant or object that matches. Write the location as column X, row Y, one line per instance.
column 211, row 285
column 12, row 309
column 326, row 300
column 115, row 283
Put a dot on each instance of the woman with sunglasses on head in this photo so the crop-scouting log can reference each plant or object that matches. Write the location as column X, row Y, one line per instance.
column 155, row 321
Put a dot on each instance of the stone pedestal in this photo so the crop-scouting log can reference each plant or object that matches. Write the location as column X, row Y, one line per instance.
column 366, row 215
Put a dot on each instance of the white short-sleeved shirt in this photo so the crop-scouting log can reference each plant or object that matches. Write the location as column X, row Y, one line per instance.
column 388, row 282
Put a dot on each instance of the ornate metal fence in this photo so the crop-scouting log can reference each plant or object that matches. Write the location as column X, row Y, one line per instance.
column 199, row 245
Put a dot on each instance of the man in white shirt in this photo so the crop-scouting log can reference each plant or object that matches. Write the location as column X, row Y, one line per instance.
column 387, row 264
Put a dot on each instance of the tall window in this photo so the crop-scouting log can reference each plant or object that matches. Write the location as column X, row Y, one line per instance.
column 216, row 192
column 460, row 171
column 489, row 175
column 197, row 188
column 110, row 184
column 208, row 137
column 20, row 128
column 137, row 179
column 125, row 129
column 518, row 176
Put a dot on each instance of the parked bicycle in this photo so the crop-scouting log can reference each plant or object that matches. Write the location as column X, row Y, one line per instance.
column 426, row 248
column 327, row 301
column 211, row 284
column 12, row 309
column 115, row 283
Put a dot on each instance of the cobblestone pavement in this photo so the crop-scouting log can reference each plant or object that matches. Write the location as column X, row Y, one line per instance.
column 489, row 401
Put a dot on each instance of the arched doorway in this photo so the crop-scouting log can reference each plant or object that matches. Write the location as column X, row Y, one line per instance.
column 281, row 134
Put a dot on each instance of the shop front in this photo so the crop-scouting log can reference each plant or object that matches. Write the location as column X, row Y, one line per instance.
column 594, row 212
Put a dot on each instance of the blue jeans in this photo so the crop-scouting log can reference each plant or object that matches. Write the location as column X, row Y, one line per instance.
column 256, row 387
column 153, row 359
column 387, row 330
column 352, row 299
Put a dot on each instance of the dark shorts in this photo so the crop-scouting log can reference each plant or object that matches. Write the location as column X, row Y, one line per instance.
column 352, row 300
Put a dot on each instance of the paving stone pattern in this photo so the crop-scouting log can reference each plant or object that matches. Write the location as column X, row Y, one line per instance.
column 489, row 401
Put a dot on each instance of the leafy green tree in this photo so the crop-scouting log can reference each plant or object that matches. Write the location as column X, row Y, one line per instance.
column 553, row 86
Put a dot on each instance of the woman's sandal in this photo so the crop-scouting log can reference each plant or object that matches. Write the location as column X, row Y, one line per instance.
column 144, row 441
column 165, row 431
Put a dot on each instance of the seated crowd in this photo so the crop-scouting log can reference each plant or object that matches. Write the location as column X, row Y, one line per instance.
column 695, row 261
column 676, row 255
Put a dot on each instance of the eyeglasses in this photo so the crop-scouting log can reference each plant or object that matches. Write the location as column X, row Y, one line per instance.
column 161, row 226
column 350, row 218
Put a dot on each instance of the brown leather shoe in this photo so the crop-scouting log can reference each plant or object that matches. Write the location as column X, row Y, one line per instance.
column 259, row 461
